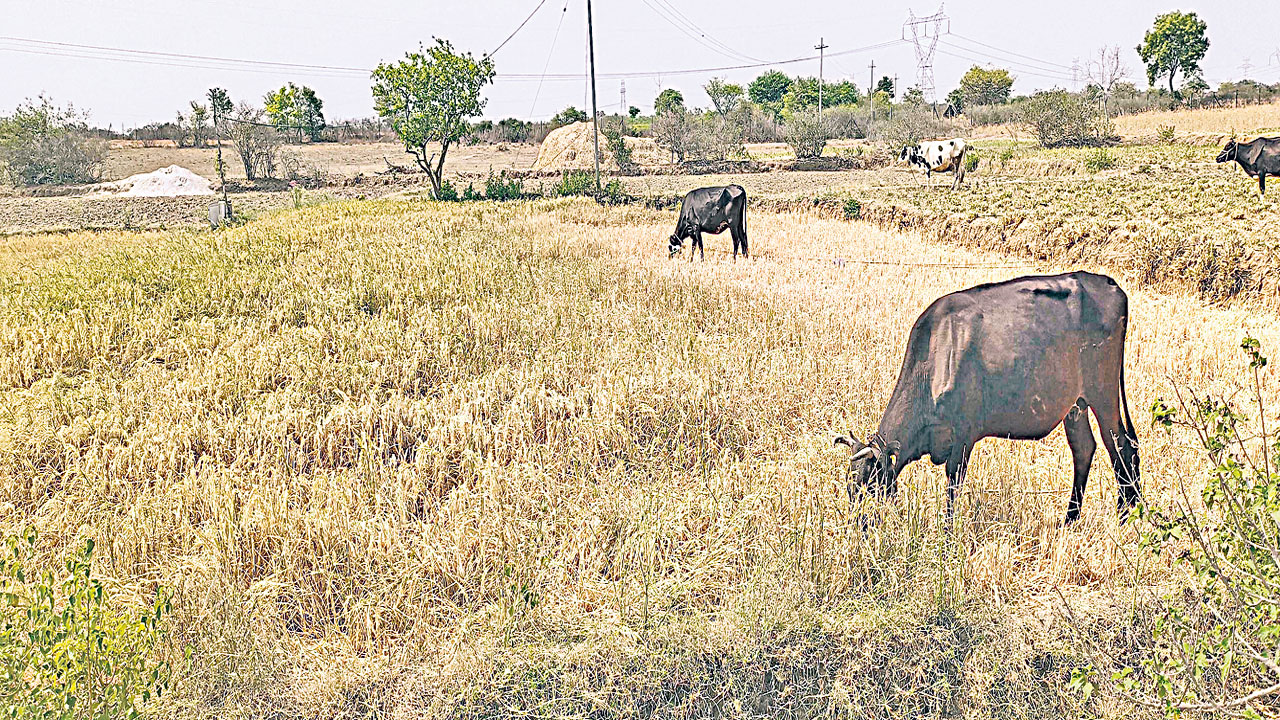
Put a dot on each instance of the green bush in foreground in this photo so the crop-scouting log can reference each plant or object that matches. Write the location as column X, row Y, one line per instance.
column 64, row 652
column 1218, row 653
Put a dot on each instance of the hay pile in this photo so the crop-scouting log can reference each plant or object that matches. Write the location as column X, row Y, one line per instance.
column 170, row 181
column 569, row 148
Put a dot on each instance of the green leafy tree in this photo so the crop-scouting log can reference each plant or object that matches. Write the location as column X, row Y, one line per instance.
column 296, row 112
column 955, row 99
column 568, row 116
column 1176, row 44
column 841, row 93
column 769, row 87
column 981, row 86
column 428, row 98
column 667, row 101
column 725, row 96
column 885, row 86
column 281, row 107
column 802, row 96
column 767, row 91
column 913, row 96
column 634, row 112
column 198, row 123
column 311, row 114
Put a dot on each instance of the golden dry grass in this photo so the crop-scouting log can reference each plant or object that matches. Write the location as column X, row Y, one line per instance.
column 422, row 460
column 1246, row 121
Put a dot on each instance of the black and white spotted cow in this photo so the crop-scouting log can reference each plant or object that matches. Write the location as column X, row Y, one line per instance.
column 936, row 156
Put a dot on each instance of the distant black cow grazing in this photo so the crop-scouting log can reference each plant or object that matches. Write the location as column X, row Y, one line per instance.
column 1013, row 359
column 711, row 210
column 1259, row 158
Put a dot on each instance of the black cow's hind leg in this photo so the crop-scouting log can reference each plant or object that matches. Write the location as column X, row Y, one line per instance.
column 1123, row 451
column 739, row 241
column 1262, row 183
column 1080, row 440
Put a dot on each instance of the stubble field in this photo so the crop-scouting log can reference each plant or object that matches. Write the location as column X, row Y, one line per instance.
column 409, row 459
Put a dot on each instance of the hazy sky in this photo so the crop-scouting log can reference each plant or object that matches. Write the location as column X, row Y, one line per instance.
column 1038, row 41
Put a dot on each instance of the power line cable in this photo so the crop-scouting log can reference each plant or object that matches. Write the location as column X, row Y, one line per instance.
column 706, row 35
column 518, row 29
column 150, row 57
column 550, row 52
column 1020, row 69
column 181, row 56
column 1010, row 52
column 729, row 53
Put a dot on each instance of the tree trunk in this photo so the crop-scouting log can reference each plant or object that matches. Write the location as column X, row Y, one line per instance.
column 437, row 177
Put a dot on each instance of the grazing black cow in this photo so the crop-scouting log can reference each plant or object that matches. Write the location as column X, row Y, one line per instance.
column 711, row 210
column 937, row 156
column 1259, row 158
column 1012, row 359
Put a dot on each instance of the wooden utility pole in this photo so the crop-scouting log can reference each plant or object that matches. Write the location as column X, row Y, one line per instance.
column 595, row 115
column 871, row 91
column 820, row 47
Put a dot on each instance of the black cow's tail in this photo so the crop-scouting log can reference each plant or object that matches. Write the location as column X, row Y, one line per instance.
column 1129, row 428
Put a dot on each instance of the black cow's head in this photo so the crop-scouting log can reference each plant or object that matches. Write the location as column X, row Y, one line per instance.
column 871, row 469
column 1229, row 152
column 674, row 245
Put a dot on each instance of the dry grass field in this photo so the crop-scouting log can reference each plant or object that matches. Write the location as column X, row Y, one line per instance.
column 1247, row 121
column 417, row 460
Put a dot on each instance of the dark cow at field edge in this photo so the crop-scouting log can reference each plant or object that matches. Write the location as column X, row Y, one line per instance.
column 711, row 210
column 1259, row 158
column 936, row 156
column 1012, row 359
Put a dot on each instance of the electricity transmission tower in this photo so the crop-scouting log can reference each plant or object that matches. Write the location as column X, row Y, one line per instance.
column 925, row 32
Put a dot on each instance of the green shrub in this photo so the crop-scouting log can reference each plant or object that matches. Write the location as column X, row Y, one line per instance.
column 46, row 145
column 498, row 187
column 574, row 182
column 807, row 134
column 971, row 159
column 1212, row 652
column 617, row 145
column 852, row 208
column 614, row 193
column 1063, row 119
column 470, row 194
column 1099, row 159
column 843, row 122
column 64, row 652
column 1166, row 134
column 448, row 193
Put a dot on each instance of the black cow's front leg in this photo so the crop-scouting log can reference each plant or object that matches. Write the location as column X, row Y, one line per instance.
column 1262, row 183
column 957, row 467
column 702, row 251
